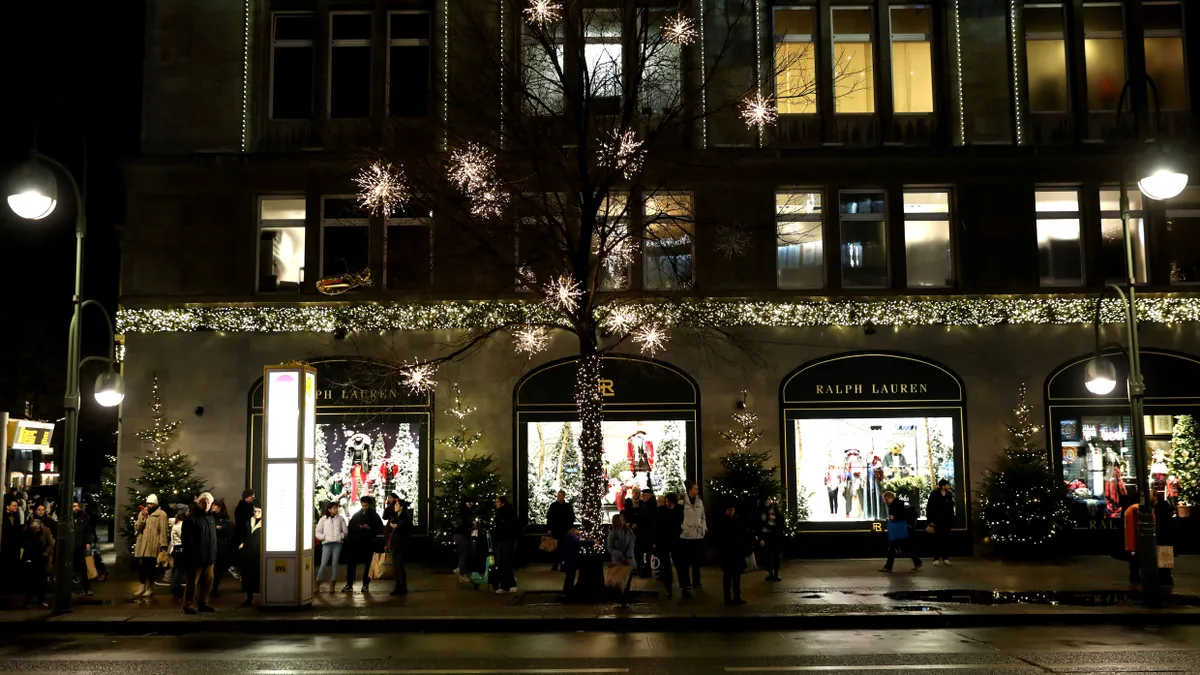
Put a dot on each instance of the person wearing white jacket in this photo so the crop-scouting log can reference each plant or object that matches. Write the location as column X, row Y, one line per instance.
column 691, row 539
column 331, row 532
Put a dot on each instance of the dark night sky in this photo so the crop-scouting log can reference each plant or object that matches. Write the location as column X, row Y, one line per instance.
column 69, row 60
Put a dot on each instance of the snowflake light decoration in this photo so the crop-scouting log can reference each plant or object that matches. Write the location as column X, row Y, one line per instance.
column 473, row 170
column 620, row 255
column 543, row 11
column 619, row 319
column 623, row 152
column 531, row 339
column 418, row 377
column 381, row 188
column 652, row 338
column 679, row 30
column 732, row 240
column 759, row 111
column 563, row 293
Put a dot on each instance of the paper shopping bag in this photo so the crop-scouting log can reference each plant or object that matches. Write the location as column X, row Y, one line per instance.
column 548, row 544
column 1166, row 557
column 90, row 563
column 616, row 576
column 382, row 566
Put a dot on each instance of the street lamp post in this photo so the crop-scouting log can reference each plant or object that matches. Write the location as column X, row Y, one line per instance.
column 33, row 196
column 1160, row 181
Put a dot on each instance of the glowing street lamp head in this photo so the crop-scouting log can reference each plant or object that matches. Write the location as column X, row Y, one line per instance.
column 1100, row 376
column 1163, row 184
column 32, row 191
column 110, row 389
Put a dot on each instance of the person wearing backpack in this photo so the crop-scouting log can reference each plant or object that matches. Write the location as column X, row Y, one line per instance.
column 899, row 528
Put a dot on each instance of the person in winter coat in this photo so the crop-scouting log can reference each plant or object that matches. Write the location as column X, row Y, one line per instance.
column 364, row 527
column 506, row 528
column 464, row 528
column 38, row 545
column 225, row 528
column 85, row 539
column 331, row 532
column 153, row 530
column 621, row 545
column 243, row 513
column 560, row 518
column 571, row 548
column 939, row 511
column 733, row 547
column 199, row 537
column 667, row 525
column 10, row 546
column 400, row 525
column 770, row 537
column 175, row 550
column 644, row 531
column 691, row 538
column 251, row 560
column 899, row 530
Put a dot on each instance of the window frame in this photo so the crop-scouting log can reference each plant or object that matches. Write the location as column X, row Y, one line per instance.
column 1106, row 35
column 364, row 221
column 407, row 221
column 276, row 225
column 946, row 216
column 797, row 38
column 688, row 226
column 334, row 44
column 291, row 44
column 1170, row 214
column 1180, row 33
column 800, row 218
column 406, row 42
column 894, row 37
column 1134, row 214
column 1077, row 216
column 881, row 217
column 854, row 38
column 1062, row 37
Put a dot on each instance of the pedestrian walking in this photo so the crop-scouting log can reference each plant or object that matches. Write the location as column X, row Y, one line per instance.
column 691, row 539
column 38, row 548
column 85, row 539
column 175, row 550
column 506, row 528
column 10, row 546
column 667, row 526
column 199, row 537
column 644, row 531
column 900, row 520
column 464, row 533
column 939, row 511
column 225, row 527
column 251, row 563
column 560, row 518
column 401, row 527
column 153, row 530
column 365, row 527
column 331, row 532
column 621, row 545
column 770, row 537
column 733, row 548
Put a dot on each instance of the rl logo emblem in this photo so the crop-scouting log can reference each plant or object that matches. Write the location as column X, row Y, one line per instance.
column 877, row 527
column 606, row 388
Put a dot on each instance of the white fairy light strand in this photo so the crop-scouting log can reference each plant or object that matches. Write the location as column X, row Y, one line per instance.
column 326, row 317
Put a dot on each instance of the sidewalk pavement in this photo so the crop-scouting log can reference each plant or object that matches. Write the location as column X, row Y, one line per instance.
column 814, row 594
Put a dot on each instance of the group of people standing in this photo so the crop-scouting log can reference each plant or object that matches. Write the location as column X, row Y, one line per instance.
column 360, row 538
column 199, row 545
column 27, row 545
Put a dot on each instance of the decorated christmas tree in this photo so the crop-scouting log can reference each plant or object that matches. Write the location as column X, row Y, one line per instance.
column 669, row 468
column 746, row 479
column 555, row 466
column 106, row 499
column 1185, row 459
column 1022, row 503
column 404, row 461
column 465, row 475
column 166, row 473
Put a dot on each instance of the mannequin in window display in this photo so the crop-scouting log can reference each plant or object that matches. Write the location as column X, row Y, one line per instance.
column 875, row 506
column 640, row 453
column 1114, row 486
column 855, row 484
column 833, row 485
column 356, row 454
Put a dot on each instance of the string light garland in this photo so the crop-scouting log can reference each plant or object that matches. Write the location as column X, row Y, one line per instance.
column 381, row 188
column 623, row 152
column 679, row 30
column 531, row 340
column 326, row 317
column 460, row 409
column 652, row 338
column 759, row 111
column 543, row 11
column 563, row 293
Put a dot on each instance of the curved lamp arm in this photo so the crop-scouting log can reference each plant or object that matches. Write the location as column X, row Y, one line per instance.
column 80, row 207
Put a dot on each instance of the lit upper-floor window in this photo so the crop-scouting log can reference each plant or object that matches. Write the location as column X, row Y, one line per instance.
column 1046, row 58
column 1112, row 235
column 799, row 248
column 669, row 242
column 928, row 253
column 280, row 261
column 349, row 64
column 853, row 60
column 795, row 61
column 912, row 64
column 408, row 63
column 1104, row 54
column 291, row 65
column 1163, row 41
column 1060, row 249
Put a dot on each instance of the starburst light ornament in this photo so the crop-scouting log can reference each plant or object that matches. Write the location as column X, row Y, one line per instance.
column 531, row 339
column 473, row 170
column 759, row 111
column 623, row 152
column 679, row 30
column 620, row 253
column 418, row 377
column 563, row 293
column 381, row 188
column 543, row 11
column 619, row 319
column 652, row 338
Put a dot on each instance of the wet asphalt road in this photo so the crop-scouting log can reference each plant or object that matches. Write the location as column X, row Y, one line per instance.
column 1011, row 651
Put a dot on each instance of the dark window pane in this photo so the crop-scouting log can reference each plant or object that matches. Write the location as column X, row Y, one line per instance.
column 410, row 26
column 407, row 258
column 292, row 83
column 409, row 88
column 1162, row 17
column 350, row 82
column 793, row 22
column 1044, row 20
column 342, row 208
column 910, row 21
column 351, row 26
column 864, row 254
column 852, row 22
column 1104, row 19
column 293, row 26
column 345, row 249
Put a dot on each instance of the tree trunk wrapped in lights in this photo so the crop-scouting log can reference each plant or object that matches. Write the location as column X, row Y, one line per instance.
column 591, row 441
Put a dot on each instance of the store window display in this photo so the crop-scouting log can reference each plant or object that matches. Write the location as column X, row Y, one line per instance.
column 355, row 460
column 1098, row 463
column 855, row 460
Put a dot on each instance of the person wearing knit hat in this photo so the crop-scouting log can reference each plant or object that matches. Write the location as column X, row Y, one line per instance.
column 153, row 530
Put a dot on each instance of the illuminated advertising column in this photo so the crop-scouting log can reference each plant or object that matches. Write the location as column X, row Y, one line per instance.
column 288, row 472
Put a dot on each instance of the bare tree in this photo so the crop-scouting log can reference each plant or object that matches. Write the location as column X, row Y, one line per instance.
column 570, row 135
